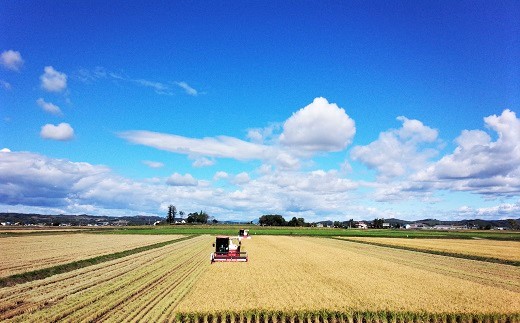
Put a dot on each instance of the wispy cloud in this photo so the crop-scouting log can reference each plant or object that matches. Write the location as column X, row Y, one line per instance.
column 5, row 85
column 163, row 88
column 188, row 89
column 49, row 107
column 153, row 164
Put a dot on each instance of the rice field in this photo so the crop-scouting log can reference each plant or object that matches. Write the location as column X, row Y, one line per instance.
column 287, row 279
column 25, row 253
column 145, row 286
column 298, row 274
column 505, row 250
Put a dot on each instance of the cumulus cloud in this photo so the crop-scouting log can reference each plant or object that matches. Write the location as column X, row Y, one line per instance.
column 49, row 107
column 397, row 151
column 479, row 164
column 188, row 89
column 153, row 164
column 5, row 150
column 61, row 132
column 320, row 126
column 11, row 60
column 241, row 178
column 177, row 179
column 52, row 80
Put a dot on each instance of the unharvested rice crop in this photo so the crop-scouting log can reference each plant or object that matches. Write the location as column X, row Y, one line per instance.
column 26, row 253
column 144, row 286
column 506, row 250
column 302, row 274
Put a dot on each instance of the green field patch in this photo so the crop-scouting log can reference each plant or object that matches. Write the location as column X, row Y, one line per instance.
column 232, row 230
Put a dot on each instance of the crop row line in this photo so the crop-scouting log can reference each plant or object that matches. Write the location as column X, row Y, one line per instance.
column 122, row 294
column 322, row 316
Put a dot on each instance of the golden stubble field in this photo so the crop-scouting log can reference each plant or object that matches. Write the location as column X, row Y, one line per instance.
column 506, row 250
column 304, row 273
column 24, row 253
column 284, row 274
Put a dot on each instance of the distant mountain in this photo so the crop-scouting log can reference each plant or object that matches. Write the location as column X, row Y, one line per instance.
column 81, row 219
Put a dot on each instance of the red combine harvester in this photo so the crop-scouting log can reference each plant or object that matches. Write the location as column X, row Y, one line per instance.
column 243, row 234
column 227, row 250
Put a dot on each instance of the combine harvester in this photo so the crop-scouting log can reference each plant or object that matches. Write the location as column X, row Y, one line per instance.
column 243, row 234
column 227, row 250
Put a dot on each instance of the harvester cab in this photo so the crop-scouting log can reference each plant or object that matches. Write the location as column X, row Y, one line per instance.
column 227, row 250
column 243, row 234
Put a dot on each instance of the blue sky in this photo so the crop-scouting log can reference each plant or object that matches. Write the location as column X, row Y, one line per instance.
column 321, row 110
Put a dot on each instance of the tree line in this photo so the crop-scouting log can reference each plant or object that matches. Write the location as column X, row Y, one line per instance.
column 195, row 217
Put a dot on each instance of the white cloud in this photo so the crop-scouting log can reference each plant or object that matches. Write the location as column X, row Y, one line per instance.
column 52, row 80
column 177, row 179
column 479, row 164
column 221, row 146
column 11, row 60
column 241, row 178
column 153, row 164
column 203, row 162
column 264, row 144
column 320, row 126
column 397, row 151
column 188, row 89
column 220, row 175
column 49, row 107
column 5, row 150
column 61, row 132
column 5, row 85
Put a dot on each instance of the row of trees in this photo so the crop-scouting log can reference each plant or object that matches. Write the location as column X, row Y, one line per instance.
column 195, row 217
column 278, row 220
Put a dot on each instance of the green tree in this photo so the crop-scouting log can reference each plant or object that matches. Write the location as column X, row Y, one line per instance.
column 201, row 217
column 272, row 220
column 172, row 211
column 378, row 223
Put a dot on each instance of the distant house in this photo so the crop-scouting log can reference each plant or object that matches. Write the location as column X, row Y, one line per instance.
column 120, row 222
column 361, row 225
column 180, row 221
column 319, row 225
column 443, row 227
column 386, row 225
column 417, row 226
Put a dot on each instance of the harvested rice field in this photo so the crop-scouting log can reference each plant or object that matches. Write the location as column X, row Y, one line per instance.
column 506, row 250
column 287, row 279
column 304, row 273
column 26, row 253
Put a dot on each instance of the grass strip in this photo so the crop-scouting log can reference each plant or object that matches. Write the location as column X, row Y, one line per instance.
column 436, row 252
column 351, row 316
column 63, row 268
column 232, row 230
